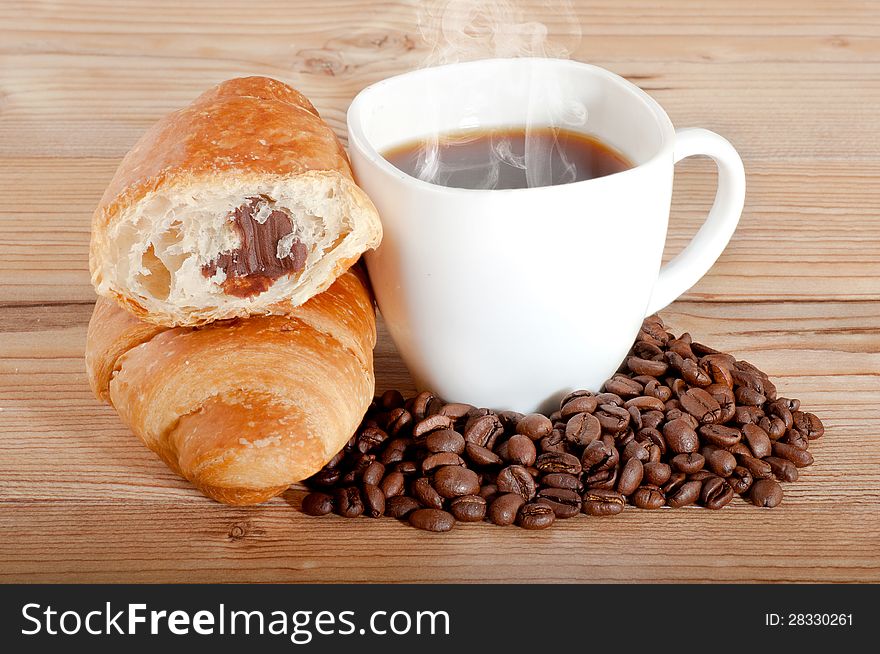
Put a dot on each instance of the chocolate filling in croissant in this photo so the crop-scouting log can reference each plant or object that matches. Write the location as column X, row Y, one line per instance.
column 268, row 249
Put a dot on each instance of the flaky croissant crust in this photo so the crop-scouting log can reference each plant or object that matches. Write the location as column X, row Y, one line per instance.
column 241, row 408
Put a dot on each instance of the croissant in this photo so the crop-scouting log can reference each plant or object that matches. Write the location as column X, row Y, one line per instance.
column 241, row 408
column 240, row 204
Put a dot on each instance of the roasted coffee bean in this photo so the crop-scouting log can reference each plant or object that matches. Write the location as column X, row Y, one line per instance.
column 516, row 479
column 701, row 405
column 766, row 492
column 746, row 396
column 796, row 439
column 635, row 450
column 400, row 506
column 653, row 327
column 694, row 375
column 701, row 475
column 599, row 455
column 392, row 485
column 390, row 399
column 453, row 481
column 744, row 378
column 808, row 424
column 468, row 508
column 336, row 459
column 374, row 500
column 645, row 403
column 725, row 398
column 657, row 473
column 630, row 477
column 779, row 409
column 782, row 468
column 445, row 440
column 399, row 422
column 565, row 503
column 581, row 404
column 456, row 410
column 648, row 497
column 370, row 438
column 484, row 431
column 535, row 515
column 317, row 503
column 609, row 398
column 684, row 494
column 659, row 392
column 555, row 442
column 775, row 427
column 715, row 493
column 435, row 461
column 426, row 494
column 649, row 434
column 758, row 440
column 419, row 406
column 558, row 462
column 325, row 478
column 689, row 462
column 504, row 508
column 800, row 458
column 635, row 418
column 582, row 428
column 759, row 469
column 647, row 367
column 424, row 427
column 488, row 492
column 644, row 350
column 431, row 520
column 562, row 480
column 746, row 414
column 740, row 480
column 601, row 502
column 355, row 474
column 534, row 426
column 394, row 451
column 508, row 420
column 347, row 502
column 682, row 346
column 623, row 386
column 719, row 461
column 373, row 473
column 482, row 456
column 680, row 437
column 518, row 449
column 613, row 418
column 606, row 479
column 678, row 386
column 719, row 435
column 718, row 368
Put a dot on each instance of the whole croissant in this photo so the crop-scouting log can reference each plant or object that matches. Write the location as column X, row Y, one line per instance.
column 245, row 407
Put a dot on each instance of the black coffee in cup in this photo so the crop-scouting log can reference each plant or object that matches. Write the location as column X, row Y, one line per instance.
column 507, row 158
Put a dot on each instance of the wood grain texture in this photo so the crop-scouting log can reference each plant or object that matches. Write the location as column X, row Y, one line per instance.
column 793, row 85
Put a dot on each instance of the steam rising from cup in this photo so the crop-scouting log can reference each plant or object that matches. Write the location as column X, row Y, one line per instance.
column 465, row 30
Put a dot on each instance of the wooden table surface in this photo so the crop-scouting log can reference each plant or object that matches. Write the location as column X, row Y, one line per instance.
column 794, row 84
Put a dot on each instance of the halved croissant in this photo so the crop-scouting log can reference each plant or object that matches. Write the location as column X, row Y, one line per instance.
column 241, row 408
column 241, row 203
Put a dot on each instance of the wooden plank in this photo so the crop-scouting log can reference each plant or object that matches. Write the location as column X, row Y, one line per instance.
column 96, row 541
column 795, row 214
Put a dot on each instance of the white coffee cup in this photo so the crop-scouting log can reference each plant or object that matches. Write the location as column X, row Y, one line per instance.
column 510, row 299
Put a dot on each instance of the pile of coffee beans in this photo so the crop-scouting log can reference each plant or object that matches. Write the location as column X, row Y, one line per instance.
column 679, row 424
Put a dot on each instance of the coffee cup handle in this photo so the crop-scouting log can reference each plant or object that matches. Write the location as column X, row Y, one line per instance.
column 709, row 242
